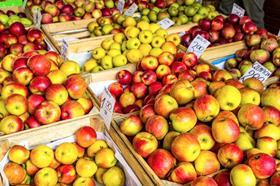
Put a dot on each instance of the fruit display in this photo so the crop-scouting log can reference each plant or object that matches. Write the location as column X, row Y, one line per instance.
column 179, row 12
column 9, row 17
column 262, row 49
column 200, row 123
column 40, row 88
column 138, row 40
column 16, row 40
column 86, row 160
column 221, row 30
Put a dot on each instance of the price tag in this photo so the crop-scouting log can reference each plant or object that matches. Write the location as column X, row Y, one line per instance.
column 24, row 4
column 37, row 17
column 64, row 48
column 131, row 10
column 257, row 71
column 121, row 5
column 166, row 23
column 237, row 10
column 278, row 33
column 107, row 107
column 198, row 45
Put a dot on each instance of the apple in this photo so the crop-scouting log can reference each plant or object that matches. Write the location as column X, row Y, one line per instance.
column 182, row 91
column 8, row 61
column 228, row 32
column 206, row 163
column 41, row 156
column 86, row 181
column 31, row 169
column 22, row 75
column 137, row 76
column 47, row 112
column 144, row 143
column 204, row 180
column 191, row 148
column 34, row 101
column 268, row 97
column 161, row 162
column 169, row 79
column 131, row 125
column 162, row 70
column 71, row 109
column 16, row 104
column 57, row 93
column 217, row 24
column 223, row 178
column 76, row 86
column 183, row 173
column 115, row 89
column 66, row 153
column 230, row 130
column 272, row 115
column 182, row 119
column 275, row 178
column 11, row 124
column 18, row 154
column 164, row 104
column 14, row 173
column 203, row 135
column 39, row 65
column 86, row 104
column 149, row 63
column 127, row 99
column 149, row 77
column 105, row 158
column 85, row 136
column 45, row 176
column 166, row 58
column 155, row 87
column 39, row 84
column 57, row 77
column 31, row 122
column 178, row 67
column 139, row 89
column 221, row 75
column 251, row 116
column 157, row 125
column 242, row 175
column 267, row 145
column 66, row 174
column 230, row 155
column 95, row 147
column 114, row 175
column 249, row 95
column 17, row 29
column 190, row 59
column 268, row 130
column 200, row 87
column 168, row 139
column 206, row 108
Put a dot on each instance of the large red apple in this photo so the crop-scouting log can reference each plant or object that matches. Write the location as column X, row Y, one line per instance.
column 145, row 143
column 39, row 84
column 17, row 29
column 47, row 112
column 230, row 155
column 161, row 161
column 71, row 109
column 85, row 136
column 39, row 65
column 76, row 86
column 157, row 125
column 251, row 116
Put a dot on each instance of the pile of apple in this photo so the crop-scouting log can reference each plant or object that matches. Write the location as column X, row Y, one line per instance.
column 16, row 40
column 37, row 89
column 78, row 163
column 222, row 30
column 69, row 10
column 177, row 12
column 204, row 122
column 260, row 48
column 9, row 17
column 138, row 40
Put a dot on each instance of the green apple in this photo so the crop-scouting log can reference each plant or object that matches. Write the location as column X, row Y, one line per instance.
column 145, row 11
column 156, row 9
column 145, row 18
column 211, row 7
column 107, row 29
column 109, row 4
column 176, row 5
column 173, row 11
column 129, row 21
column 113, row 52
column 146, row 36
column 183, row 18
column 212, row 15
column 107, row 62
column 97, row 31
column 157, row 41
column 152, row 16
column 97, row 69
column 190, row 11
column 131, row 31
column 145, row 49
column 203, row 11
column 119, row 37
column 123, row 46
column 161, row 32
column 134, row 55
column 245, row 141
column 4, row 19
column 116, row 46
column 133, row 43
column 155, row 52
column 106, row 43
column 25, row 21
column 121, row 19
column 98, row 53
column 196, row 18
column 189, row 2
column 119, row 60
column 89, row 65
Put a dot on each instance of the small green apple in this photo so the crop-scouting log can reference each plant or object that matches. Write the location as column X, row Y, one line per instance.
column 119, row 60
column 133, row 43
column 98, row 53
column 107, row 62
column 146, row 36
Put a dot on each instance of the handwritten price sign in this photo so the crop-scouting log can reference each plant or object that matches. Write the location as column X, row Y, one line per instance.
column 166, row 23
column 198, row 45
column 237, row 10
column 131, row 10
column 121, row 5
column 107, row 107
column 257, row 71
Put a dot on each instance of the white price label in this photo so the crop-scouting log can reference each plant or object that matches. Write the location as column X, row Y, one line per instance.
column 278, row 33
column 257, row 71
column 198, row 45
column 131, row 10
column 107, row 107
column 121, row 5
column 166, row 23
column 237, row 10
column 37, row 17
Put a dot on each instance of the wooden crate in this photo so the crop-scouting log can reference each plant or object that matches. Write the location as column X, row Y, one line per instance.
column 100, row 80
column 79, row 49
column 53, row 133
column 69, row 121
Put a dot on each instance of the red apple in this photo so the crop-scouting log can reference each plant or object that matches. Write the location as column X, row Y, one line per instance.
column 115, row 89
column 47, row 112
column 161, row 161
column 39, row 84
column 203, row 135
column 154, row 88
column 34, row 100
column 217, row 24
column 85, row 136
column 149, row 77
column 165, row 58
column 71, row 109
column 272, row 115
column 39, row 65
column 230, row 155
column 162, row 70
column 183, row 173
column 249, row 27
column 22, row 75
column 275, row 178
column 124, row 77
column 223, row 178
column 204, row 180
column 34, row 34
column 157, row 125
column 139, row 89
column 178, row 67
column 205, row 24
column 145, row 143
column 31, row 122
column 17, row 29
column 137, row 76
column 66, row 174
column 228, row 32
column 149, row 63
column 251, row 116
column 76, row 86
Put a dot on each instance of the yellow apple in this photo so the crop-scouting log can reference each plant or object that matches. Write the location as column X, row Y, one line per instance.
column 66, row 153
column 70, row 67
column 41, row 156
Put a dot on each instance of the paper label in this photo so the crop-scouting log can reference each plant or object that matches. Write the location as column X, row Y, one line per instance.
column 237, row 10
column 107, row 107
column 121, row 5
column 37, row 17
column 198, row 45
column 64, row 48
column 257, row 71
column 131, row 10
column 166, row 23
